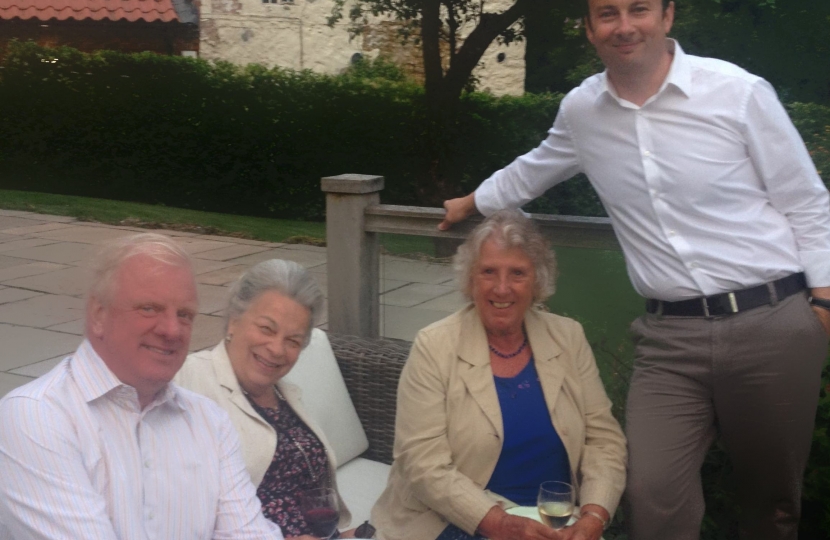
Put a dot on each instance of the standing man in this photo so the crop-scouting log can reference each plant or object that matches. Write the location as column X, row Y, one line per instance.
column 725, row 227
column 103, row 447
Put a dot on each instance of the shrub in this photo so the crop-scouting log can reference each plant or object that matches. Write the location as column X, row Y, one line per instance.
column 250, row 140
column 720, row 522
column 813, row 123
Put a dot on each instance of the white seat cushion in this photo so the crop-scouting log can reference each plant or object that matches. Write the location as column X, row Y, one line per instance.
column 361, row 482
column 327, row 400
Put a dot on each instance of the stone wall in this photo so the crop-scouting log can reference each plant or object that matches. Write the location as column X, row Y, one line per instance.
column 295, row 35
column 290, row 35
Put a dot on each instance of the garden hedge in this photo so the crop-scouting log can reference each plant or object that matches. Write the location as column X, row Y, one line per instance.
column 249, row 140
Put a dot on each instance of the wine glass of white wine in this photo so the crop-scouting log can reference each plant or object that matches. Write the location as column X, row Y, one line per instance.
column 556, row 503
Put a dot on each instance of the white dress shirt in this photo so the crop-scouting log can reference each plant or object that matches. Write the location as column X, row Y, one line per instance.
column 708, row 185
column 80, row 459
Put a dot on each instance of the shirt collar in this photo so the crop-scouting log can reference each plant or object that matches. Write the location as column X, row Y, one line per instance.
column 679, row 76
column 680, row 73
column 95, row 379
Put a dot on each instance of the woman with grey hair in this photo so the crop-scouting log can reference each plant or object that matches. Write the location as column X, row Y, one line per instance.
column 269, row 319
column 496, row 399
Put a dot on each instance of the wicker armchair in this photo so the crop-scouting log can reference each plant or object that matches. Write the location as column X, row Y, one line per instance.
column 371, row 369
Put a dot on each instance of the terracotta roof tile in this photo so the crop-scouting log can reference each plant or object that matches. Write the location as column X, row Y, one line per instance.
column 97, row 10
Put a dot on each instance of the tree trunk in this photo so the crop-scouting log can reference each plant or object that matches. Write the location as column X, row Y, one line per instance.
column 443, row 91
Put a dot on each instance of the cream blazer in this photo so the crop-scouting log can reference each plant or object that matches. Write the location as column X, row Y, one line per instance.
column 210, row 373
column 449, row 432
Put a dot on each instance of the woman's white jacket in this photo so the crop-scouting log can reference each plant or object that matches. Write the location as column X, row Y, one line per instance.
column 210, row 373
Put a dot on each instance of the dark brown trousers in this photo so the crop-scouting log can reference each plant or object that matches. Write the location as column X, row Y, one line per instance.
column 751, row 378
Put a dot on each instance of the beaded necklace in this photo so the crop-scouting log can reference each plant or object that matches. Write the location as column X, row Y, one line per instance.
column 511, row 355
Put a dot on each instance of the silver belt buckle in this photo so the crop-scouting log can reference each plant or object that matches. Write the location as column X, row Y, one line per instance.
column 733, row 304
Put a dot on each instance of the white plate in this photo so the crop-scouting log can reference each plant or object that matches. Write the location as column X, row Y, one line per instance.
column 530, row 512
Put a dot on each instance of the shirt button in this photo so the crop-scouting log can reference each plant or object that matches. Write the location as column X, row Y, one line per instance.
column 653, row 191
column 147, row 464
column 672, row 233
column 646, row 153
column 692, row 265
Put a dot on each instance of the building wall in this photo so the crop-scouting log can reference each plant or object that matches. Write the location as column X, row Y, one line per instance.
column 88, row 36
column 296, row 36
column 287, row 35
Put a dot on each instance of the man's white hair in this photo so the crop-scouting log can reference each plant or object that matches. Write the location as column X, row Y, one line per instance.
column 114, row 254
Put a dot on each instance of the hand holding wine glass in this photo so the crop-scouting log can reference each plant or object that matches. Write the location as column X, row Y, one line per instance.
column 556, row 503
column 321, row 510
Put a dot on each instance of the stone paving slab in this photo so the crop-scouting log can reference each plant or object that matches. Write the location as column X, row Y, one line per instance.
column 13, row 295
column 85, row 234
column 71, row 281
column 230, row 252
column 305, row 247
column 61, row 252
column 415, row 271
column 34, row 229
column 223, row 276
column 14, row 222
column 7, row 262
column 40, row 368
column 450, row 303
column 26, row 269
column 23, row 346
column 198, row 245
column 24, row 243
column 413, row 294
column 404, row 323
column 203, row 266
column 235, row 240
column 208, row 330
column 43, row 281
column 42, row 311
column 309, row 259
column 321, row 276
column 41, row 217
column 212, row 298
column 9, row 382
column 72, row 327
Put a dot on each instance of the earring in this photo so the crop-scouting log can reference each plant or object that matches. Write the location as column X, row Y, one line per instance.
column 228, row 338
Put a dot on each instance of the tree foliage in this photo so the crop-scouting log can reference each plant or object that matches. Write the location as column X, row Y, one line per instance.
column 450, row 51
column 785, row 41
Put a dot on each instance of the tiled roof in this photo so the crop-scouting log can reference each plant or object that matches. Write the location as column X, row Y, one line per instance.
column 96, row 10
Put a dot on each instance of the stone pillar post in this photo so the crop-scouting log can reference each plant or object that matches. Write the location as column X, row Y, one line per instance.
column 353, row 255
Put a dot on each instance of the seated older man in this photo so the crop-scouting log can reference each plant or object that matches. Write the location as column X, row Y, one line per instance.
column 102, row 447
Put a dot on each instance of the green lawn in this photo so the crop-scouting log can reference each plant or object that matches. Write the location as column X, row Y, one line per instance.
column 137, row 214
column 149, row 215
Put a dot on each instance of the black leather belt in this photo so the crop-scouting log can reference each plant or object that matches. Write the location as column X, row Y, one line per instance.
column 733, row 302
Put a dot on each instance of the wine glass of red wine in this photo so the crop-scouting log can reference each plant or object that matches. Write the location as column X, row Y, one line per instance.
column 321, row 510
